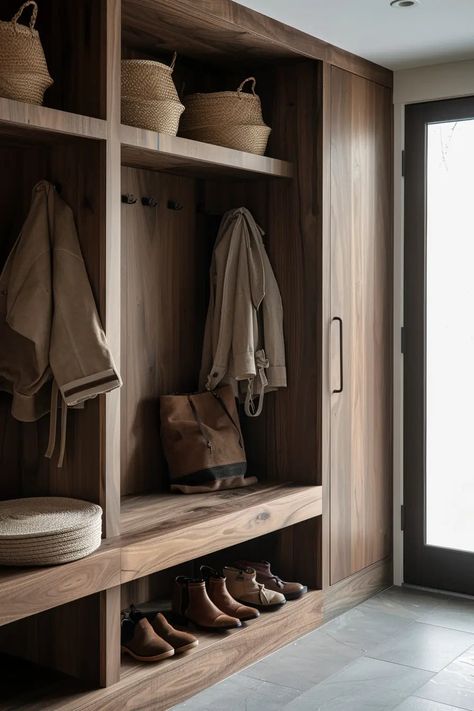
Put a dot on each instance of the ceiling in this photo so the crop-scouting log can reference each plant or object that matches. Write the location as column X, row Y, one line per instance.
column 432, row 32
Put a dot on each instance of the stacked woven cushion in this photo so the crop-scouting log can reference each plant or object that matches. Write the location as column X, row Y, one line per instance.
column 48, row 530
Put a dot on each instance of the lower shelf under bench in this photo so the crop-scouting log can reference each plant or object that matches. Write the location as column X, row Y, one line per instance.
column 218, row 655
column 162, row 685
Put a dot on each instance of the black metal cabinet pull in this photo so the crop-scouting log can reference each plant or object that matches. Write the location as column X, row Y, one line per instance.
column 341, row 355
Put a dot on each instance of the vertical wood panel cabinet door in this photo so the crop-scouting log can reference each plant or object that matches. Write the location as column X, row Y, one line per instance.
column 361, row 306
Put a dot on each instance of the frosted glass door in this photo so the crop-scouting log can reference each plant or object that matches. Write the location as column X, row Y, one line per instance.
column 449, row 485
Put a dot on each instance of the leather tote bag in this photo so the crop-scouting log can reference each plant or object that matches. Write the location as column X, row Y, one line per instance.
column 202, row 442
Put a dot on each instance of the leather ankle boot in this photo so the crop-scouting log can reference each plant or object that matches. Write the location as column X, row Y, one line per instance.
column 220, row 596
column 243, row 586
column 291, row 591
column 191, row 602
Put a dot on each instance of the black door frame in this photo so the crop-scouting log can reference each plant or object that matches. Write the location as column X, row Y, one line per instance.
column 424, row 565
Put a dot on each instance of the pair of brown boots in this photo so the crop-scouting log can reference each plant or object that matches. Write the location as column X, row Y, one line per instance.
column 154, row 639
column 207, row 603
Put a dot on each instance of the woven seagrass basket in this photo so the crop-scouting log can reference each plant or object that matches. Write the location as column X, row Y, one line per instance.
column 149, row 96
column 227, row 118
column 24, row 73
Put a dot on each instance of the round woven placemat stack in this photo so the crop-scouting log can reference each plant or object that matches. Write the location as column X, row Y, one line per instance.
column 48, row 530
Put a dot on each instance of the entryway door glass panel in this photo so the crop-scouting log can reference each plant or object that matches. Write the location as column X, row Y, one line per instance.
column 450, row 335
column 438, row 346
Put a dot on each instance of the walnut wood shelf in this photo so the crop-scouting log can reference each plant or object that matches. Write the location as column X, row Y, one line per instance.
column 20, row 120
column 158, row 151
column 159, row 531
column 162, row 685
column 221, row 655
column 27, row 591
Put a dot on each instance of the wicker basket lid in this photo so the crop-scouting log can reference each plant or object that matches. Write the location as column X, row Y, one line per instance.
column 45, row 516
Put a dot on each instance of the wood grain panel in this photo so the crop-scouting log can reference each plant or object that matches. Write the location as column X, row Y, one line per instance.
column 198, row 529
column 299, row 553
column 109, row 636
column 144, row 512
column 111, row 256
column 224, row 30
column 361, row 289
column 158, row 151
column 26, row 591
column 65, row 639
column 19, row 119
column 166, row 260
column 325, row 262
column 294, row 223
column 353, row 590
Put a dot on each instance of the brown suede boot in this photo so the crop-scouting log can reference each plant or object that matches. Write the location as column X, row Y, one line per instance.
column 180, row 641
column 143, row 644
column 191, row 602
column 291, row 591
column 220, row 596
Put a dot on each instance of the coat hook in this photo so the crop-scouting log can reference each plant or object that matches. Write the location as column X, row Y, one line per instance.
column 174, row 205
column 149, row 202
column 129, row 199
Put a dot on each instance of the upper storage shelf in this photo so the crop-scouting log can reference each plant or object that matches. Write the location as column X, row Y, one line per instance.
column 21, row 120
column 158, row 151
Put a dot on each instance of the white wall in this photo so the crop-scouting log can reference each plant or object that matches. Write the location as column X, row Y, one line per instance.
column 443, row 81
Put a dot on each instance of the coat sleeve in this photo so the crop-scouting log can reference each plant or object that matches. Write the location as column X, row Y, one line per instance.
column 80, row 358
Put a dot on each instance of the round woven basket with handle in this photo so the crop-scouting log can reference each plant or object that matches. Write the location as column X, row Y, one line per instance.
column 24, row 73
column 227, row 118
column 149, row 96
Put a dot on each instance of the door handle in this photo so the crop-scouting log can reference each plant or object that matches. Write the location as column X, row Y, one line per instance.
column 341, row 356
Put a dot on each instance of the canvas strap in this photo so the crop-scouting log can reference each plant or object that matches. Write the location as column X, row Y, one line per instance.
column 53, row 417
column 224, row 407
column 262, row 363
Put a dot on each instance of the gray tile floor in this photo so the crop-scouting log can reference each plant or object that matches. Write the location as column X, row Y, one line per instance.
column 403, row 649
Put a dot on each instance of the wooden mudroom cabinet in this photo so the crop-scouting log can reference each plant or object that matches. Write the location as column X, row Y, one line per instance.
column 321, row 509
column 361, row 326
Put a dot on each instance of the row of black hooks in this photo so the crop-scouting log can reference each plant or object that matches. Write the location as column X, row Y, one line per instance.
column 147, row 201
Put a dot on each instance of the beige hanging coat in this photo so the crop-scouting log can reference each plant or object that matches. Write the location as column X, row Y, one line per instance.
column 243, row 342
column 51, row 338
